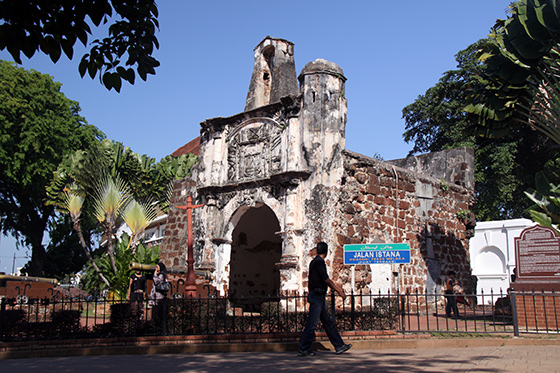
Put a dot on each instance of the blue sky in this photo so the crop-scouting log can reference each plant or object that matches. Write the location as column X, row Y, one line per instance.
column 390, row 51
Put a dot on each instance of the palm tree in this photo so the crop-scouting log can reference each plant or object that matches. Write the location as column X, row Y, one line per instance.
column 115, row 184
column 73, row 205
column 138, row 216
column 111, row 195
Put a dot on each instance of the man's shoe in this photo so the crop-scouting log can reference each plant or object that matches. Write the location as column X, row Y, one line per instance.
column 344, row 348
column 305, row 353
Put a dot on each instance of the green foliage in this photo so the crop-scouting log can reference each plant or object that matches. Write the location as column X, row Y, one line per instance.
column 63, row 254
column 522, row 89
column 436, row 121
column 39, row 127
column 504, row 167
column 546, row 196
column 55, row 27
column 148, row 180
column 463, row 214
column 123, row 257
column 519, row 82
column 66, row 322
column 114, row 184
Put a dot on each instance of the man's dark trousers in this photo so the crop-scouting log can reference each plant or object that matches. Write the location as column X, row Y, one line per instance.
column 318, row 311
column 451, row 304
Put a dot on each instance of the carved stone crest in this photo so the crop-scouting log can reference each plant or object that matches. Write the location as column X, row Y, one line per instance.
column 254, row 150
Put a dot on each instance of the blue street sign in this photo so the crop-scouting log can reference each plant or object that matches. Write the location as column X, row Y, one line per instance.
column 384, row 253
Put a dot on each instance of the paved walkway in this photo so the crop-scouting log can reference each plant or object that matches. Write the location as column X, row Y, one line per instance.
column 529, row 357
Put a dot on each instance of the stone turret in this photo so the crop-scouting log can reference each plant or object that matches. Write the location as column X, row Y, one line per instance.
column 323, row 118
column 274, row 73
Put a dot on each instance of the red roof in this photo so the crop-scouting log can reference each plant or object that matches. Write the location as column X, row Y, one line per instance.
column 191, row 147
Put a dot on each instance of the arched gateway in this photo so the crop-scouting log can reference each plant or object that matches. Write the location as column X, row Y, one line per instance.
column 256, row 249
column 276, row 179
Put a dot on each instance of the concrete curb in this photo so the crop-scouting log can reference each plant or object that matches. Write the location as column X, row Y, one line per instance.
column 377, row 344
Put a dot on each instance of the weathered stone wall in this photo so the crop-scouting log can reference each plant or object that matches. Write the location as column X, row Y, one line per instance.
column 384, row 203
column 173, row 250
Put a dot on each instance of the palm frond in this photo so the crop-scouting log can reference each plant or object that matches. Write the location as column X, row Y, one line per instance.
column 138, row 216
column 111, row 194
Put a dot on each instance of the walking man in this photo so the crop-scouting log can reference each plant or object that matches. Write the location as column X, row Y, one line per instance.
column 318, row 283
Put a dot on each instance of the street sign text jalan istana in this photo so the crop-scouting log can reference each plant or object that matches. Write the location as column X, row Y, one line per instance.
column 385, row 253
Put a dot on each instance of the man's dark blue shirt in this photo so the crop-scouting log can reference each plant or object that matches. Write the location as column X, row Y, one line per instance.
column 318, row 275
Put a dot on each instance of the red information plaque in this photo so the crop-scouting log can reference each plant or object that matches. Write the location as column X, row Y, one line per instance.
column 537, row 254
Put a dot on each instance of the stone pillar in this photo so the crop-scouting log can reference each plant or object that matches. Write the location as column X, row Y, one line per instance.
column 292, row 241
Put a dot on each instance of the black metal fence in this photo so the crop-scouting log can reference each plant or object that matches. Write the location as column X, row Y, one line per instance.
column 406, row 313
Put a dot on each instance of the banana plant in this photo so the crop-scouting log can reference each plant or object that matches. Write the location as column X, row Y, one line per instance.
column 520, row 78
column 546, row 197
column 123, row 257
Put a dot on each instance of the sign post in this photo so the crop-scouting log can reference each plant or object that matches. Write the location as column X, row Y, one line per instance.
column 537, row 256
column 384, row 253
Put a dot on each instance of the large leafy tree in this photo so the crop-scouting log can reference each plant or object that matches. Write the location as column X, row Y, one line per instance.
column 62, row 257
column 436, row 120
column 504, row 166
column 38, row 127
column 53, row 27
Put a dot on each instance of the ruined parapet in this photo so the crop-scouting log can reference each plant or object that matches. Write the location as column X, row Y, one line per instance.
column 276, row 179
column 454, row 166
column 274, row 73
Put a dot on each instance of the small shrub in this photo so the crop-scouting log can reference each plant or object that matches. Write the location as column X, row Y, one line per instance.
column 66, row 322
column 13, row 316
column 124, row 318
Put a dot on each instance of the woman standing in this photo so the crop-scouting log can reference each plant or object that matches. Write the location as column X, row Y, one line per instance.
column 136, row 288
column 157, row 297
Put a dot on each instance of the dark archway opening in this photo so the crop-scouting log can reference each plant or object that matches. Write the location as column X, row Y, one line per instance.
column 255, row 251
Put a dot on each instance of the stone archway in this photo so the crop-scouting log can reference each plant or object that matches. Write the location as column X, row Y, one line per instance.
column 256, row 248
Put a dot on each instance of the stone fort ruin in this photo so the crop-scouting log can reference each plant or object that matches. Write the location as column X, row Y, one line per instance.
column 277, row 178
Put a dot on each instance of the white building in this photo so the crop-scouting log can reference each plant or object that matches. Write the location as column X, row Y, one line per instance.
column 492, row 252
column 153, row 234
